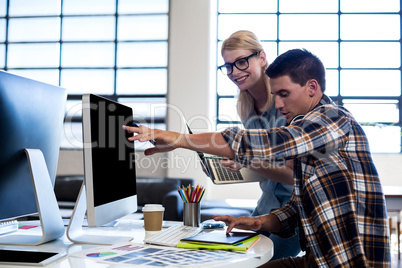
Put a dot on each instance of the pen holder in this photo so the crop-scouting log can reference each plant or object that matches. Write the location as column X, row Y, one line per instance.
column 191, row 214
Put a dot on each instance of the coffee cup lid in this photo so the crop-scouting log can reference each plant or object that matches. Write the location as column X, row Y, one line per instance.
column 153, row 207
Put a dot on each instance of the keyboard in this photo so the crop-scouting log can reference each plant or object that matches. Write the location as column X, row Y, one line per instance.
column 223, row 173
column 171, row 236
column 8, row 227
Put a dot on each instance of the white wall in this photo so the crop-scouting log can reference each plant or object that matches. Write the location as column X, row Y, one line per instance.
column 389, row 166
column 191, row 82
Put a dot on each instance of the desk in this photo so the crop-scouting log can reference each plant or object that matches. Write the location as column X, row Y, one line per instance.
column 260, row 253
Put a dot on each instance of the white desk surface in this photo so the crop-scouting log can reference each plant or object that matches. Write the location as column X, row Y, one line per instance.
column 260, row 253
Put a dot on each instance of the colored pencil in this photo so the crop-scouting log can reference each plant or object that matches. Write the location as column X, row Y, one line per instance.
column 191, row 194
column 182, row 195
column 202, row 194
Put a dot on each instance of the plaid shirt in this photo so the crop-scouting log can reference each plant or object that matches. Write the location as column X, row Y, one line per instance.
column 338, row 199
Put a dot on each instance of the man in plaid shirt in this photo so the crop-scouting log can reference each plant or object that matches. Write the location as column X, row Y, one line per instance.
column 338, row 203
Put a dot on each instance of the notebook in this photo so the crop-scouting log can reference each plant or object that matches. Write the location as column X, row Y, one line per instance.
column 240, row 246
column 220, row 175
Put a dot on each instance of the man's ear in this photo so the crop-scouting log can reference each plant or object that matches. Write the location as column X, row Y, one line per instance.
column 313, row 87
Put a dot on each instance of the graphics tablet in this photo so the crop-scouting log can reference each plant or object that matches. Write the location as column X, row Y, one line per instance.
column 220, row 237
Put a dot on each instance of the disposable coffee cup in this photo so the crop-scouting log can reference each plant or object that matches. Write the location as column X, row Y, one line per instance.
column 153, row 217
column 191, row 214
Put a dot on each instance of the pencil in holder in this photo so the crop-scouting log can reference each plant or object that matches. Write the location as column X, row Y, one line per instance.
column 191, row 214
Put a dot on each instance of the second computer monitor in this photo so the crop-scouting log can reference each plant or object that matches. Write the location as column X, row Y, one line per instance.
column 31, row 116
column 109, row 160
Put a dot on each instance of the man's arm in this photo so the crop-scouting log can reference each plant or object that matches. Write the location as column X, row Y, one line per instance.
column 211, row 143
column 321, row 131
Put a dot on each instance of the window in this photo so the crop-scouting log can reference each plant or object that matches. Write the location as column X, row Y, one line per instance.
column 358, row 41
column 114, row 48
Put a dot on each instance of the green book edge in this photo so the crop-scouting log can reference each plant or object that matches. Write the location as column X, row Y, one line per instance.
column 241, row 246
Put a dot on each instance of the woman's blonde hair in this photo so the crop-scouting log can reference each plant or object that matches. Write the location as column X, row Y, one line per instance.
column 247, row 40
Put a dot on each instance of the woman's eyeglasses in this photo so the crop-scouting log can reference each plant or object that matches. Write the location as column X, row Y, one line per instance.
column 241, row 64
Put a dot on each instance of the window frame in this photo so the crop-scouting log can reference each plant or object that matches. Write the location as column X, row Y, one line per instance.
column 338, row 99
column 74, row 97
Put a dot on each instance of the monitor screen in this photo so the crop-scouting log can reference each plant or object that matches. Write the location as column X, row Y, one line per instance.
column 31, row 116
column 109, row 160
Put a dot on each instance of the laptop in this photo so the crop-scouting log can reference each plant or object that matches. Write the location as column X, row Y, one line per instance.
column 220, row 175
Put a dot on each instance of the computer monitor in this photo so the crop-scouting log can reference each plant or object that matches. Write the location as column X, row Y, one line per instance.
column 109, row 167
column 110, row 177
column 31, row 117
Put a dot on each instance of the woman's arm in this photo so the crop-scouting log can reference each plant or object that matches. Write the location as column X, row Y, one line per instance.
column 275, row 172
column 279, row 173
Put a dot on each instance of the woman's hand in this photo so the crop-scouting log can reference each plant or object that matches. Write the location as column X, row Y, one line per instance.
column 231, row 165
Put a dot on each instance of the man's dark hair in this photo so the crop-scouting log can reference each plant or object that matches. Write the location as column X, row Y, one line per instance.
column 300, row 65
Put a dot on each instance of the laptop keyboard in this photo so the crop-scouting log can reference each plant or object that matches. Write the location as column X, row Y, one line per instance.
column 223, row 173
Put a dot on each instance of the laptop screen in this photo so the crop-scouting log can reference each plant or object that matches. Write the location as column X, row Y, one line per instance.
column 200, row 155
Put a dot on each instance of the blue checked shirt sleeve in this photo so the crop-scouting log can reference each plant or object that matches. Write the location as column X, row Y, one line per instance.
column 319, row 132
column 288, row 216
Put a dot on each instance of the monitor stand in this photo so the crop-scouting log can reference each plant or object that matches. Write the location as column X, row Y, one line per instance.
column 77, row 235
column 49, row 213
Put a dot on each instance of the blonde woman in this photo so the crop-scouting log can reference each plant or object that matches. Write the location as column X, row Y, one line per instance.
column 245, row 65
